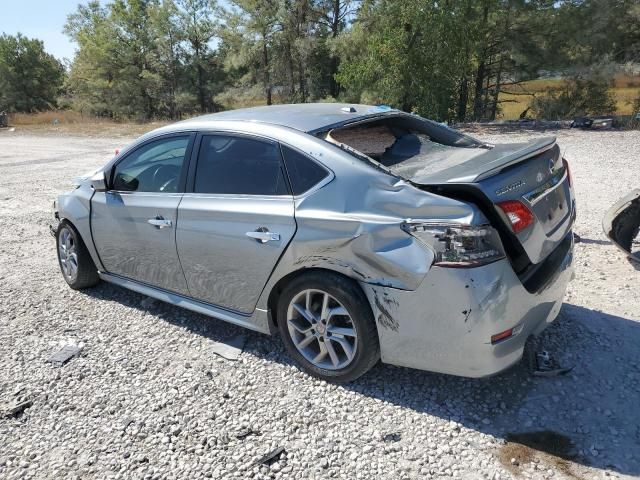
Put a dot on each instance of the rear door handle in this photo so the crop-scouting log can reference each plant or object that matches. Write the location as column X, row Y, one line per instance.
column 263, row 235
column 159, row 222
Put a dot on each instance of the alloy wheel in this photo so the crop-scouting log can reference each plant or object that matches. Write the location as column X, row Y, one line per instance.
column 322, row 330
column 68, row 254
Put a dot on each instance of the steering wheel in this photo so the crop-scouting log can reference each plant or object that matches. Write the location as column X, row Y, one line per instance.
column 163, row 176
column 169, row 185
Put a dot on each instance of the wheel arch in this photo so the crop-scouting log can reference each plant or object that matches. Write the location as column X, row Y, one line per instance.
column 281, row 284
column 75, row 208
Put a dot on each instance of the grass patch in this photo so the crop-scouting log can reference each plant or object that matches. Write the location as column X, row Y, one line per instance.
column 69, row 121
column 625, row 90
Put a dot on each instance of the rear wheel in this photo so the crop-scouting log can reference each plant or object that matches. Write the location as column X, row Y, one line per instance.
column 327, row 327
column 76, row 264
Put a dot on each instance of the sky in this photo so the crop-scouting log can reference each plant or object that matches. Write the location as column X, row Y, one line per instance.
column 42, row 19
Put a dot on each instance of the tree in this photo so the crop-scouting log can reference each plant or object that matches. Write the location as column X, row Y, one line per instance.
column 30, row 78
column 251, row 30
column 447, row 59
column 578, row 97
column 395, row 54
column 169, row 36
column 335, row 16
column 116, row 69
column 199, row 26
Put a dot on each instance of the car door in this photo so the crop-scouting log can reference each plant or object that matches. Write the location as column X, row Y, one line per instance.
column 235, row 220
column 133, row 222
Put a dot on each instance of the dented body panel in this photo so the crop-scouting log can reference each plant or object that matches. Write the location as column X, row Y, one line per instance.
column 75, row 207
column 435, row 329
column 427, row 316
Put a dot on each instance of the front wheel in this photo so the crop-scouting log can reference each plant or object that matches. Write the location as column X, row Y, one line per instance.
column 74, row 259
column 327, row 327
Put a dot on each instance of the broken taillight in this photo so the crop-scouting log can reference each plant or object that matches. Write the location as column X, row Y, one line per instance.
column 458, row 246
column 520, row 217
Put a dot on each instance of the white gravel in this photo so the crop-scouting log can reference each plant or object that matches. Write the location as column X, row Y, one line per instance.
column 148, row 398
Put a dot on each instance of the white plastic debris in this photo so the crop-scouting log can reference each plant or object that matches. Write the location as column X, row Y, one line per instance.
column 65, row 354
column 231, row 348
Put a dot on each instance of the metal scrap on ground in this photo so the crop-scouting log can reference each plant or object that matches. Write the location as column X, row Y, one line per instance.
column 244, row 433
column 231, row 348
column 270, row 457
column 13, row 409
column 63, row 355
column 546, row 366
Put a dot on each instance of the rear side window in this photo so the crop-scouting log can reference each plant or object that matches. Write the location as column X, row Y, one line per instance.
column 303, row 172
column 239, row 165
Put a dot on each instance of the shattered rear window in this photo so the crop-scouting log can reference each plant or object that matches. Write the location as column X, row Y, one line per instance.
column 406, row 144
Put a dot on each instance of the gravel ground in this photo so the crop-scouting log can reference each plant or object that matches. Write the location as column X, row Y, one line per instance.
column 147, row 398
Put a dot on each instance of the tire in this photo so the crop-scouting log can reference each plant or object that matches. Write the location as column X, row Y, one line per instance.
column 350, row 332
column 75, row 262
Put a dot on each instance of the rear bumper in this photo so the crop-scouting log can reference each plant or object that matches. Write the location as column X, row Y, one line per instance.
column 447, row 323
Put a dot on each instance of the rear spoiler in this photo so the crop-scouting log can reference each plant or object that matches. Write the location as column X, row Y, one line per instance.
column 531, row 149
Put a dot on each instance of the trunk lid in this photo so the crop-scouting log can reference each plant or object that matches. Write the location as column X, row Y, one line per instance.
column 532, row 173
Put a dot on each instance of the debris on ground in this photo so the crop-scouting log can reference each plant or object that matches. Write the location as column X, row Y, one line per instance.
column 245, row 432
column 391, row 437
column 231, row 348
column 127, row 421
column 547, row 366
column 65, row 354
column 14, row 408
column 271, row 457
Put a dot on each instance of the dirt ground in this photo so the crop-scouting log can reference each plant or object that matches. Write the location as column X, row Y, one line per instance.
column 147, row 398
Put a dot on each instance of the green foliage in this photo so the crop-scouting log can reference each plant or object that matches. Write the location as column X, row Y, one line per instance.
column 144, row 58
column 579, row 97
column 30, row 78
column 449, row 60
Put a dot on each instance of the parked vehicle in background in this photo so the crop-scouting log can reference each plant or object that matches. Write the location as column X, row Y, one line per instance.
column 621, row 224
column 357, row 232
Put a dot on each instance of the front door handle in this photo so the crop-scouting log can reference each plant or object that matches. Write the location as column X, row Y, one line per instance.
column 263, row 235
column 159, row 222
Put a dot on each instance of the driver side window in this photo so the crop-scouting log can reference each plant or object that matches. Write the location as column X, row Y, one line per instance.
column 154, row 167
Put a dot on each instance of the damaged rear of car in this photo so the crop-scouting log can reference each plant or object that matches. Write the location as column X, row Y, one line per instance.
column 495, row 278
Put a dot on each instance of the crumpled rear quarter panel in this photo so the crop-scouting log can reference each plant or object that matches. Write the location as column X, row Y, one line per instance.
column 352, row 226
column 446, row 324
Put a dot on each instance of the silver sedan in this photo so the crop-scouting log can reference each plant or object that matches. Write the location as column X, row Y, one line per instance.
column 358, row 233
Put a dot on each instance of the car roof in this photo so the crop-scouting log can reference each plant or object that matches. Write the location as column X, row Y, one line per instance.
column 305, row 117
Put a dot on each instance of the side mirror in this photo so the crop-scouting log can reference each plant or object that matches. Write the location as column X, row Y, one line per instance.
column 99, row 182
